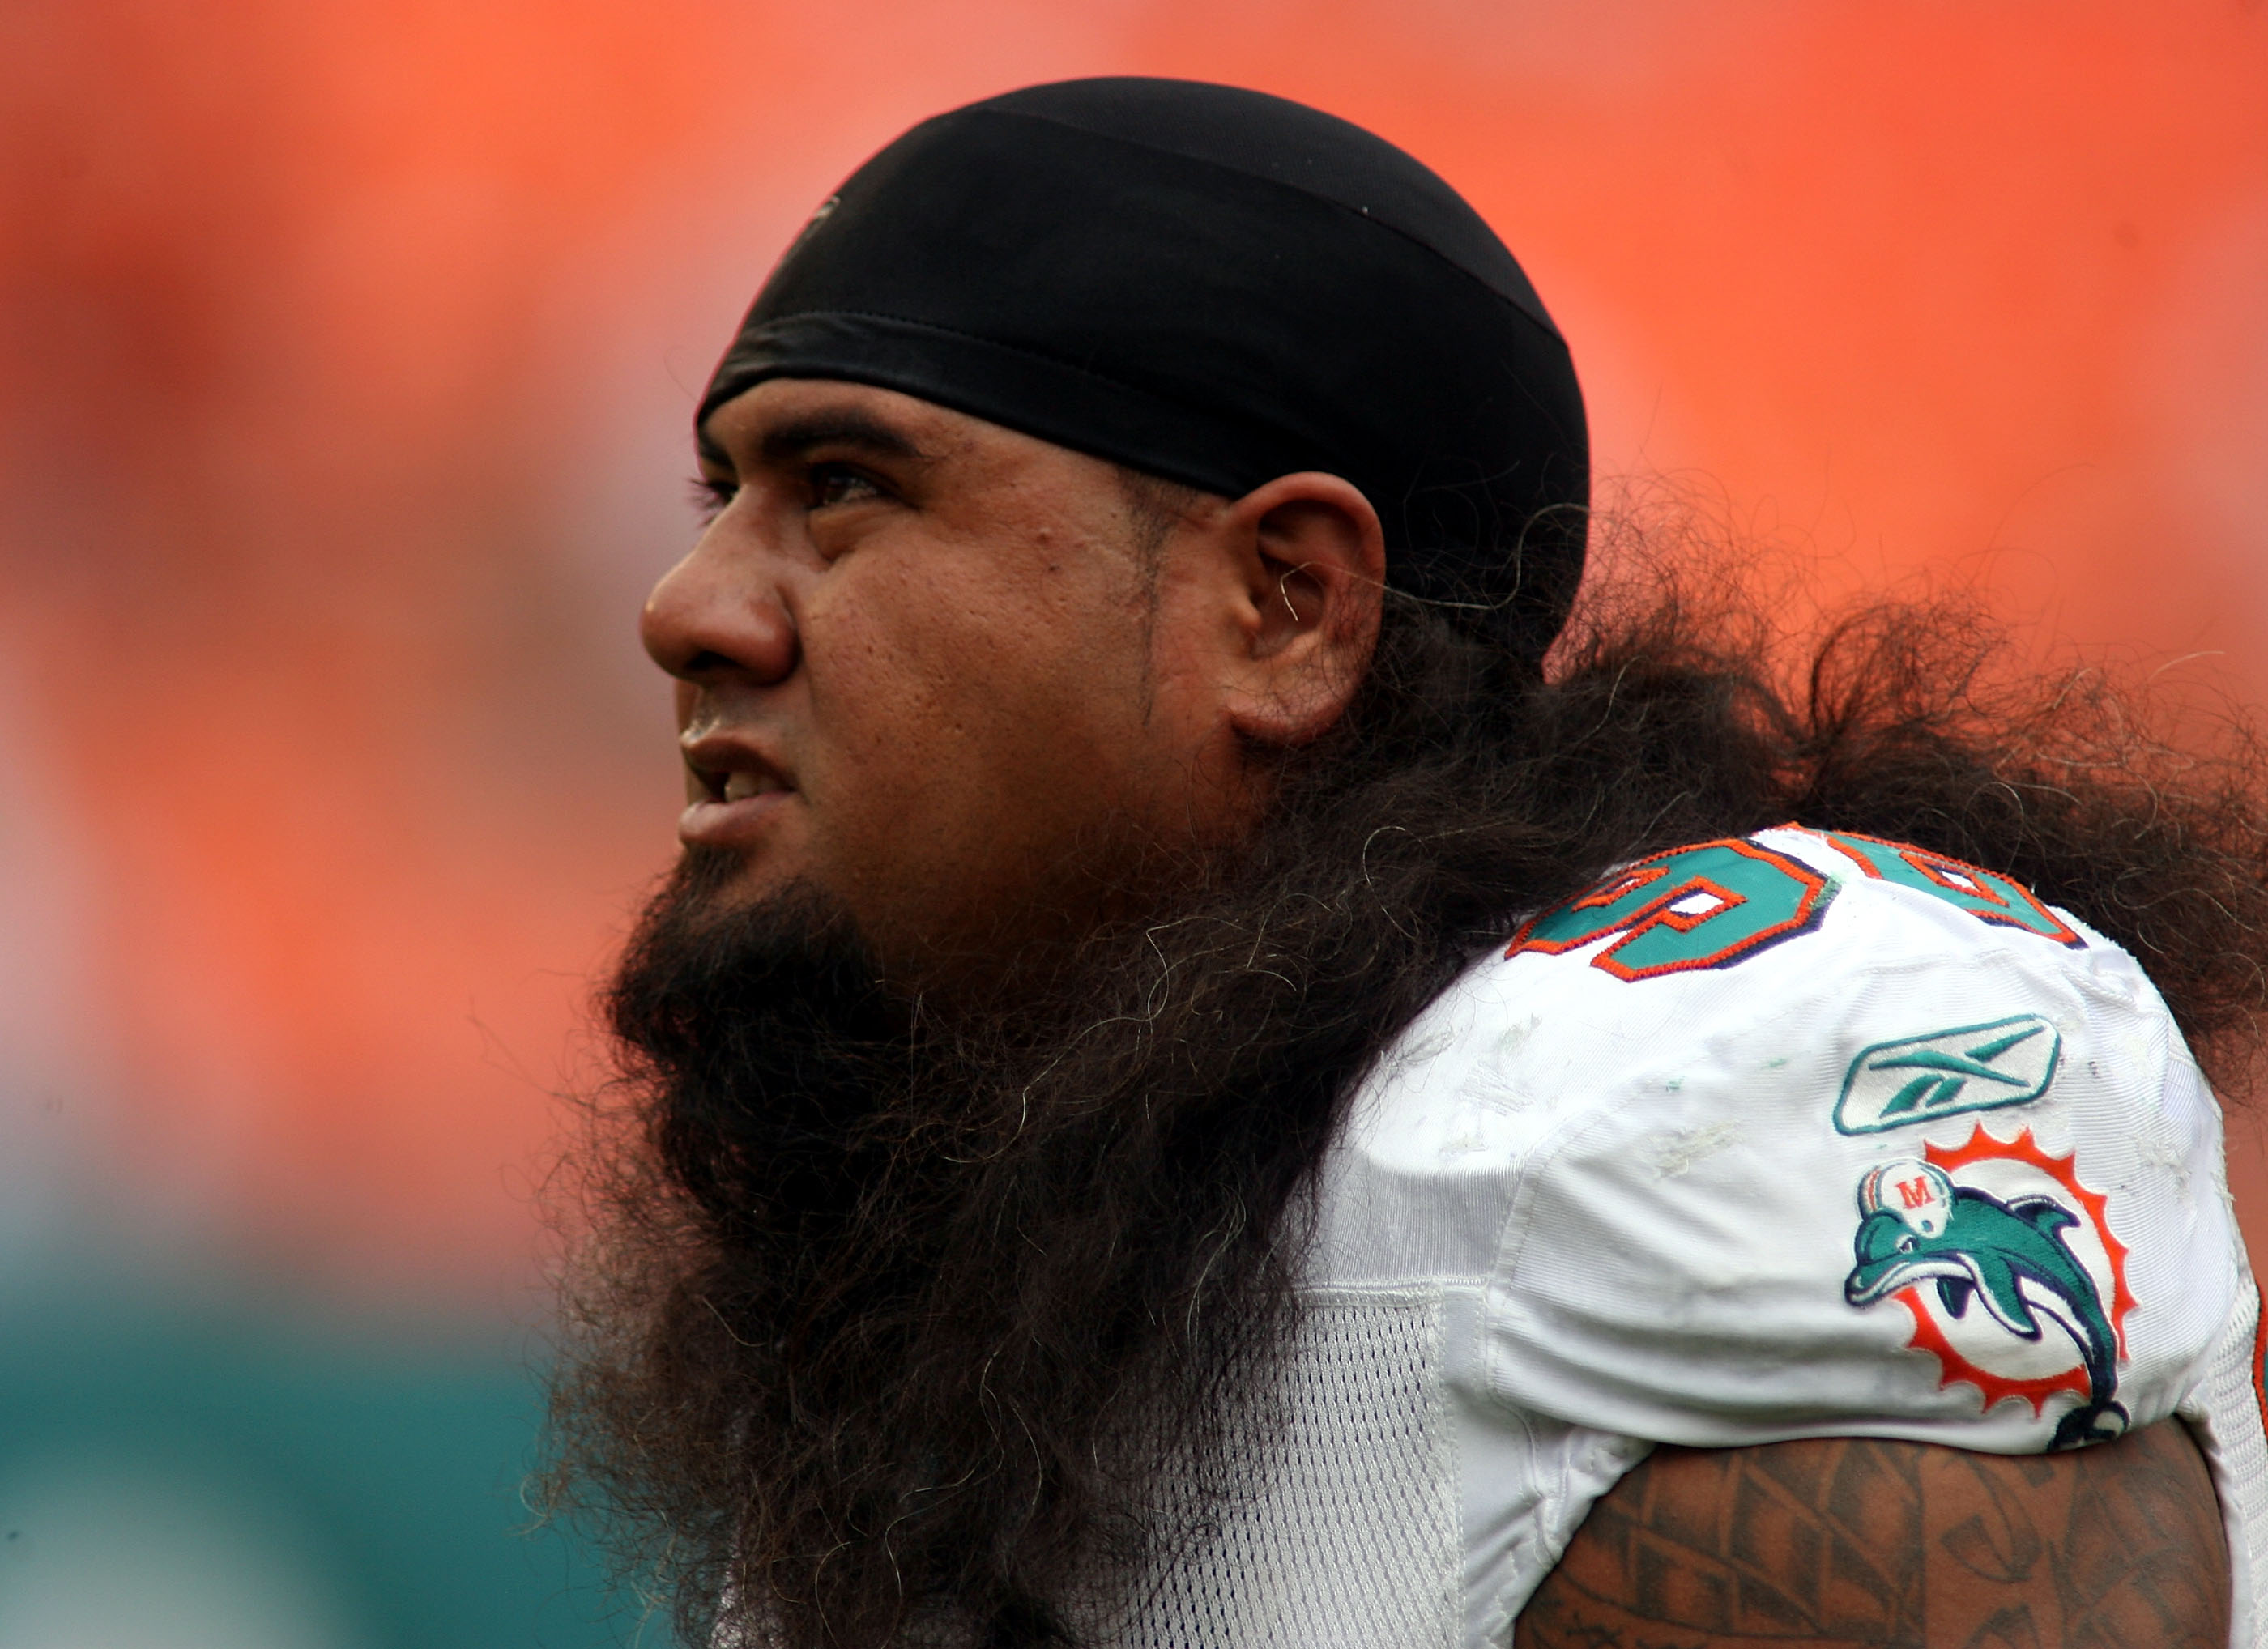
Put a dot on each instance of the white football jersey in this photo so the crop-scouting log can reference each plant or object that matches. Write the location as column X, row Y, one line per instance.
column 1803, row 1135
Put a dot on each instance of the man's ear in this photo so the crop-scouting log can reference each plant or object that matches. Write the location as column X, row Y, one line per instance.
column 1312, row 561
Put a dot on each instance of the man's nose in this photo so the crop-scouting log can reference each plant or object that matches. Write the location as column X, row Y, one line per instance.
column 720, row 613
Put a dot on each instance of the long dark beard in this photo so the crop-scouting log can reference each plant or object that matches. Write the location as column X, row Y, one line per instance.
column 955, row 1287
column 777, row 1065
column 905, row 1326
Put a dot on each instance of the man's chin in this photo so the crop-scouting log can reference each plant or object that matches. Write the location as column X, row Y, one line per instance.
column 712, row 956
column 932, row 940
column 726, row 894
column 716, row 882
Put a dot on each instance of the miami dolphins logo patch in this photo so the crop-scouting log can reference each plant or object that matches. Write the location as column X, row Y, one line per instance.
column 2006, row 1264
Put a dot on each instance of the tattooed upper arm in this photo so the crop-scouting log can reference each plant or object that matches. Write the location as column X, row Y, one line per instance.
column 1848, row 1541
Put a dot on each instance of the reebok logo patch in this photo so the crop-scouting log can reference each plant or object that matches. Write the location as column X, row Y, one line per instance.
column 1969, row 1068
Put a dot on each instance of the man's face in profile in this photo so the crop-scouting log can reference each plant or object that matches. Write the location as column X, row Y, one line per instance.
column 939, row 671
column 1058, row 800
column 913, row 662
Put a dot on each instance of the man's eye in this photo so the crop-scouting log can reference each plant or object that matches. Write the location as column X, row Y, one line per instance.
column 711, row 495
column 838, row 484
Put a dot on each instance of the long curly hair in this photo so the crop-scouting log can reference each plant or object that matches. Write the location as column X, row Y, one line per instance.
column 892, row 1323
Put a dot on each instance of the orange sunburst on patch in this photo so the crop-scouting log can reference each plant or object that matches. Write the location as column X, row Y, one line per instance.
column 1929, row 1335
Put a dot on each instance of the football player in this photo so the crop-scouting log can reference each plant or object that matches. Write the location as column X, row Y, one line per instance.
column 1213, row 1073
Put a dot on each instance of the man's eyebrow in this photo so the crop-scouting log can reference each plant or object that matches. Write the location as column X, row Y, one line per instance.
column 822, row 429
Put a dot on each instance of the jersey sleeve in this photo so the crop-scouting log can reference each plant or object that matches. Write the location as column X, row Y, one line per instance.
column 1905, row 1159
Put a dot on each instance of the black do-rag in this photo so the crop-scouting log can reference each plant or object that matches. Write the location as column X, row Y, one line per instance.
column 1216, row 287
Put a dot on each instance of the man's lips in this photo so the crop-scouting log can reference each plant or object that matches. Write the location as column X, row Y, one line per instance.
column 733, row 789
column 740, row 786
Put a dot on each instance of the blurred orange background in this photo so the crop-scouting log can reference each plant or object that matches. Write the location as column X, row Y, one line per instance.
column 349, row 352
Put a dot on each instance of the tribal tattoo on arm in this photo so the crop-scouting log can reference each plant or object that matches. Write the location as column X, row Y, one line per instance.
column 1851, row 1541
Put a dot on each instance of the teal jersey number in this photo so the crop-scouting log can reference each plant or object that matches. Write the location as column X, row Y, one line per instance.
column 1698, row 906
column 1982, row 894
column 1718, row 904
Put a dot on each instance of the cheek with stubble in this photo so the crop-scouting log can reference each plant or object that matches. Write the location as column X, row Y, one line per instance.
column 894, row 775
column 969, row 784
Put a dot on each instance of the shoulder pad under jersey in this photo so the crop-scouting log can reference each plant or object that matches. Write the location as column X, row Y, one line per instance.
column 1804, row 1133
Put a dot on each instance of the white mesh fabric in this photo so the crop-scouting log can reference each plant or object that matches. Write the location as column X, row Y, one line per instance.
column 1343, row 1528
column 2225, row 1412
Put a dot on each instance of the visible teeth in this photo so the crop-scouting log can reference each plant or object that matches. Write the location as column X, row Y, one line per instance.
column 738, row 786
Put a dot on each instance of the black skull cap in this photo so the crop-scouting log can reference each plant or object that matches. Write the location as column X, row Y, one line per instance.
column 1216, row 287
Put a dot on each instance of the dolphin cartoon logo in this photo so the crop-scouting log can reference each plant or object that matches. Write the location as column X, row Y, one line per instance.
column 1917, row 1226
